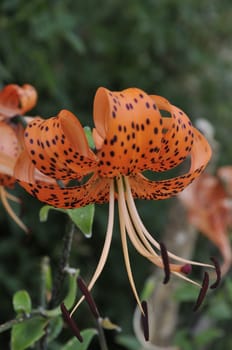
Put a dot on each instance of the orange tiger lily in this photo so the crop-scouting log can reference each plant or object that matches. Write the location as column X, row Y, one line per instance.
column 14, row 100
column 209, row 209
column 10, row 149
column 130, row 136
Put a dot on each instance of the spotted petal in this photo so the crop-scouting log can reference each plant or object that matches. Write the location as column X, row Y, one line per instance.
column 58, row 146
column 96, row 190
column 16, row 100
column 128, row 131
column 177, row 138
column 146, row 189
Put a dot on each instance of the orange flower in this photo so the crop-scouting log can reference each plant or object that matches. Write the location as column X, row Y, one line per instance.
column 130, row 136
column 209, row 209
column 14, row 100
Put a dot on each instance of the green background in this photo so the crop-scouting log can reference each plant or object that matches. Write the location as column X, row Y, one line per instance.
column 67, row 49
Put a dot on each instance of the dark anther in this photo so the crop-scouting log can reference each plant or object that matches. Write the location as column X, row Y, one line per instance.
column 70, row 322
column 218, row 273
column 88, row 297
column 165, row 259
column 144, row 320
column 203, row 291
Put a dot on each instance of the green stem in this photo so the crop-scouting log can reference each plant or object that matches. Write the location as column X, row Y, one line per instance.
column 101, row 336
column 64, row 262
column 9, row 324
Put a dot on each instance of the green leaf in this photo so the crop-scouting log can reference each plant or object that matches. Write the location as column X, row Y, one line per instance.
column 47, row 275
column 22, row 302
column 70, row 297
column 56, row 325
column 72, row 290
column 88, row 134
column 83, row 218
column 27, row 333
column 43, row 213
column 73, row 344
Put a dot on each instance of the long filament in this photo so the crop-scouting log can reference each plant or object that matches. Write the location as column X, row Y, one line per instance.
column 3, row 197
column 122, row 215
column 131, row 203
column 106, row 247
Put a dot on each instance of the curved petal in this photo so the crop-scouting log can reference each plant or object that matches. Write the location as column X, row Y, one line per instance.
column 210, row 211
column 96, row 190
column 58, row 146
column 6, row 170
column 26, row 171
column 146, row 189
column 177, row 138
column 225, row 175
column 9, row 151
column 16, row 100
column 129, row 126
column 8, row 140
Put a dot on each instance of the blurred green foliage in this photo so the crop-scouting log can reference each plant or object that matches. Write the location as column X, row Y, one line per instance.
column 67, row 49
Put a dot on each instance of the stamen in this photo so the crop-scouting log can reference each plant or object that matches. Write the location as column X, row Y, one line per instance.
column 88, row 297
column 70, row 322
column 218, row 273
column 3, row 197
column 144, row 320
column 124, row 243
column 106, row 247
column 166, row 265
column 203, row 291
column 138, row 221
column 186, row 278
